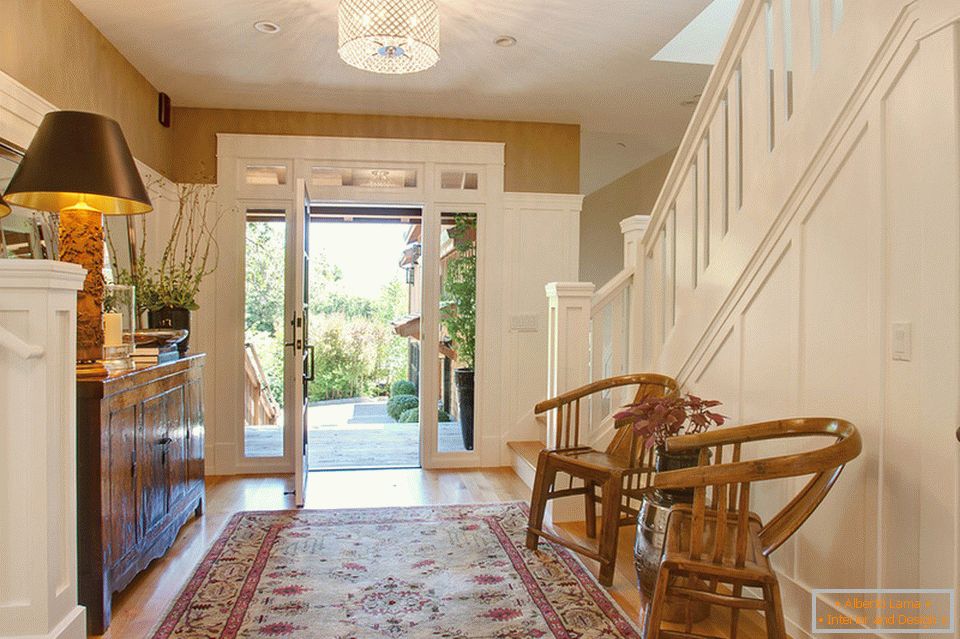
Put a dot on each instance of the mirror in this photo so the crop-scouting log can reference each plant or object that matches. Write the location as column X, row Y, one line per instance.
column 24, row 234
column 120, row 244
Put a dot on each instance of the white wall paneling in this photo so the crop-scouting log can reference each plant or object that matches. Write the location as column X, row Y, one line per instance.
column 848, row 225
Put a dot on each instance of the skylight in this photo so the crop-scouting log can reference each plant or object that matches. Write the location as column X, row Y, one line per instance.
column 701, row 40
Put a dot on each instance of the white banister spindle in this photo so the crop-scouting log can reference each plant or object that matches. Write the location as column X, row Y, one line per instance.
column 568, row 337
column 38, row 503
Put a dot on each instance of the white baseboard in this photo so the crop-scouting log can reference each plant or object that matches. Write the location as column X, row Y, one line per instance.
column 72, row 626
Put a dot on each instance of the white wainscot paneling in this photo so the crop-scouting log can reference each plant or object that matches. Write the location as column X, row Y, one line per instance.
column 541, row 234
column 841, row 362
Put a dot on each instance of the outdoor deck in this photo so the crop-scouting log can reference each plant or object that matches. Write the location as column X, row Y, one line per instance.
column 355, row 433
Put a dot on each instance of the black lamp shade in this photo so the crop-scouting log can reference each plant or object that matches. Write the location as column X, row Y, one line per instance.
column 79, row 160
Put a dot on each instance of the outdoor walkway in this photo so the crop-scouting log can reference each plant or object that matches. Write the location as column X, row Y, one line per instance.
column 354, row 434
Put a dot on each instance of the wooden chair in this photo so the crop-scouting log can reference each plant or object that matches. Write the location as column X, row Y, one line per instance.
column 724, row 543
column 622, row 472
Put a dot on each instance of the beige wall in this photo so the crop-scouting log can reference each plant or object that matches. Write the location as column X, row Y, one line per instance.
column 539, row 157
column 601, row 243
column 50, row 47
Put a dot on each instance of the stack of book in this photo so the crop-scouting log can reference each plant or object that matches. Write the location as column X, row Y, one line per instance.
column 151, row 355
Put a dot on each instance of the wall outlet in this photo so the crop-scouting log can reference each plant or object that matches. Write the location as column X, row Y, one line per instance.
column 901, row 339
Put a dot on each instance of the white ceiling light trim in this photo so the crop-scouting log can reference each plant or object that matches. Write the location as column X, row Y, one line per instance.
column 389, row 36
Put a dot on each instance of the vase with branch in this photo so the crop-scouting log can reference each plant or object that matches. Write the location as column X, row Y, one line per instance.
column 167, row 290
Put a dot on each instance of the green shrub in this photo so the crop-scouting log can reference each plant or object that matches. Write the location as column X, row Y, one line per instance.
column 403, row 387
column 400, row 403
column 412, row 415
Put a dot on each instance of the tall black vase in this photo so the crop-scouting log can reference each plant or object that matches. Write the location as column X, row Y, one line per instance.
column 172, row 317
column 463, row 377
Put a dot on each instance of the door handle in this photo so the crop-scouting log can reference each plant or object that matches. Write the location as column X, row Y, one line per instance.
column 309, row 378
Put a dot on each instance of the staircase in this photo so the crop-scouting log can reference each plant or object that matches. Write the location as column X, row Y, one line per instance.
column 808, row 227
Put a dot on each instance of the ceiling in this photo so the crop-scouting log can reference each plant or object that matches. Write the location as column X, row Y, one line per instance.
column 587, row 63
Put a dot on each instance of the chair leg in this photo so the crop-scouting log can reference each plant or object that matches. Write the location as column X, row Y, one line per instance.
column 538, row 499
column 735, row 612
column 776, row 629
column 590, row 505
column 659, row 600
column 610, row 528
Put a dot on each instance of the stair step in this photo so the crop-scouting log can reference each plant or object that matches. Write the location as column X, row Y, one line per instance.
column 524, row 459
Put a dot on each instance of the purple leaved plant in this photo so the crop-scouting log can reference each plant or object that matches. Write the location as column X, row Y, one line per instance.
column 655, row 419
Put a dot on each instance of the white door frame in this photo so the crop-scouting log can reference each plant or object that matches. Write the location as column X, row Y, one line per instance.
column 298, row 155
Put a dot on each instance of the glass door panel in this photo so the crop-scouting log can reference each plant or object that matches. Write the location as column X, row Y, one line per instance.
column 263, row 435
column 458, row 321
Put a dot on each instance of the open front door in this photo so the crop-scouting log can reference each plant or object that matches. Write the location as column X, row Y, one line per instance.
column 298, row 364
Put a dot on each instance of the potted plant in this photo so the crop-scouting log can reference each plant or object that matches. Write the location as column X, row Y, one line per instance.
column 459, row 315
column 168, row 291
column 654, row 420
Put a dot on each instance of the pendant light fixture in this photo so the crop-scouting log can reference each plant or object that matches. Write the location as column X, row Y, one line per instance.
column 389, row 36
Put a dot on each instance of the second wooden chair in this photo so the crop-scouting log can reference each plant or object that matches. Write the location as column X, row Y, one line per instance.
column 623, row 472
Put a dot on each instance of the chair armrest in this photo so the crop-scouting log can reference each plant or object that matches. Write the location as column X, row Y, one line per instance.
column 653, row 379
column 764, row 430
column 846, row 447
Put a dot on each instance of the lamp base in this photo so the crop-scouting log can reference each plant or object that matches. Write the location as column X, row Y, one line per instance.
column 81, row 242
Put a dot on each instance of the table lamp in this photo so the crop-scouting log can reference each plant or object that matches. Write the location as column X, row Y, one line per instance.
column 79, row 165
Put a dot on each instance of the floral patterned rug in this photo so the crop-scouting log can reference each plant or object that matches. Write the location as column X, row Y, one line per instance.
column 444, row 572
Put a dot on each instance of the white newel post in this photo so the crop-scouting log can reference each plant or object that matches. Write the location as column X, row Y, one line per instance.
column 633, row 229
column 38, row 501
column 568, row 365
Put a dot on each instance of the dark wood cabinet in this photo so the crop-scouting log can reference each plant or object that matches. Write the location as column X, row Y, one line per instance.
column 139, row 473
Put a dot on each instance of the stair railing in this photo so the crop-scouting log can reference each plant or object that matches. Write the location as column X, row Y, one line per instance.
column 261, row 408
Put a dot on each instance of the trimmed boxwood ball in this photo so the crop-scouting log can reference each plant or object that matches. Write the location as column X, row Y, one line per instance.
column 399, row 403
column 403, row 387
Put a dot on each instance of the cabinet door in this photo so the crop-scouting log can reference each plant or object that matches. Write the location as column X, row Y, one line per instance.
column 195, row 433
column 122, row 530
column 176, row 457
column 152, row 447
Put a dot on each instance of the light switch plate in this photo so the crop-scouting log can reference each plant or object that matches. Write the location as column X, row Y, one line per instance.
column 524, row 323
column 902, row 338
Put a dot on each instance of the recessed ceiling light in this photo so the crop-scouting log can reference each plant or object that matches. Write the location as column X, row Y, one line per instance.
column 505, row 41
column 265, row 26
column 622, row 145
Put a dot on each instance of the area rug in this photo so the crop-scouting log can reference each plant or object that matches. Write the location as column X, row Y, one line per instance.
column 443, row 572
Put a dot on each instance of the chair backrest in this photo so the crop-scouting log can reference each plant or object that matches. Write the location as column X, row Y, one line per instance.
column 568, row 433
column 726, row 484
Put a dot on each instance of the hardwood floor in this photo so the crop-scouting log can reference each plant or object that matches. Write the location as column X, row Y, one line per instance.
column 139, row 608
